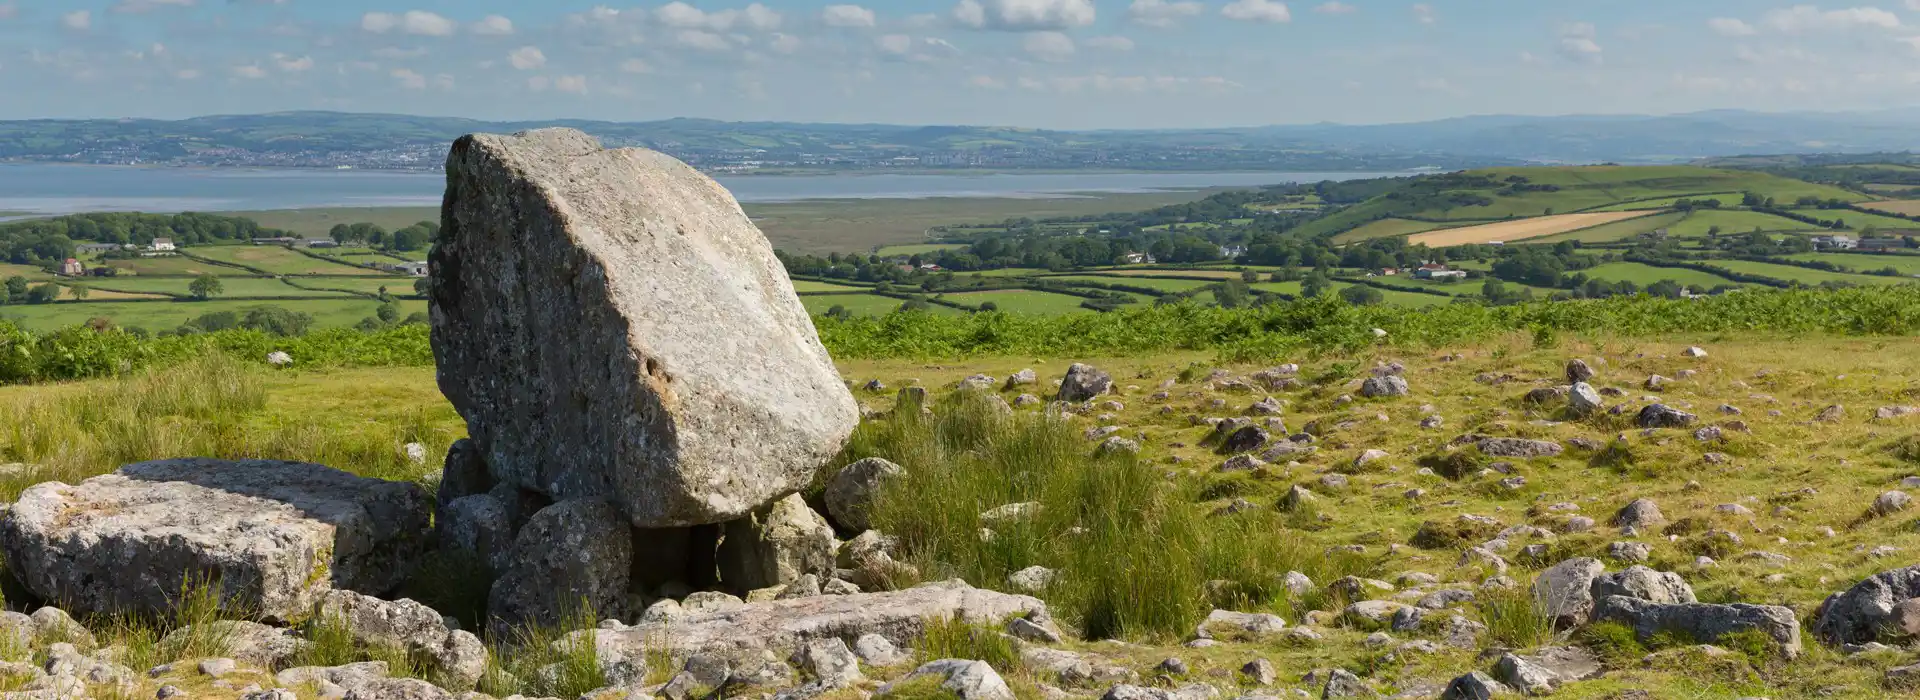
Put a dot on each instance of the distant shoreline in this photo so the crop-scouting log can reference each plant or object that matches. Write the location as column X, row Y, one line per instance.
column 771, row 173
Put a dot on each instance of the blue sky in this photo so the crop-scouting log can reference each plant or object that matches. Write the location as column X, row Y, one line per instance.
column 1039, row 63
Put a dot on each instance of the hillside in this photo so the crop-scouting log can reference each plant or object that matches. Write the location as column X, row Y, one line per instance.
column 1504, row 193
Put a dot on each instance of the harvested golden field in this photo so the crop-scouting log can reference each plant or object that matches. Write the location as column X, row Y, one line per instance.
column 1508, row 231
column 1908, row 207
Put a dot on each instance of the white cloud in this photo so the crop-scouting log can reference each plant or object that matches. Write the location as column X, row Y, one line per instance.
column 538, row 83
column 187, row 74
column 680, row 15
column 1913, row 5
column 1025, row 15
column 250, row 72
column 527, row 58
column 409, row 79
column 1728, row 26
column 636, row 66
column 1336, row 8
column 78, row 21
column 136, row 6
column 785, row 43
column 576, row 84
column 1578, row 42
column 493, row 25
column 289, row 64
column 1110, row 43
column 1161, row 13
column 847, row 16
column 704, row 41
column 1803, row 18
column 392, row 53
column 412, row 22
column 1424, row 14
column 1257, row 11
column 894, row 44
column 985, row 82
column 1048, row 46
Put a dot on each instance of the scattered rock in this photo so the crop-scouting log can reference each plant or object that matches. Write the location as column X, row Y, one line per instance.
column 457, row 655
column 1564, row 591
column 1239, row 626
column 1660, row 415
column 1378, row 387
column 1889, row 503
column 1703, row 622
column 849, row 494
column 1630, row 551
column 1084, row 383
column 1642, row 515
column 969, row 680
column 1517, row 447
column 1645, row 584
column 776, row 546
column 1863, row 612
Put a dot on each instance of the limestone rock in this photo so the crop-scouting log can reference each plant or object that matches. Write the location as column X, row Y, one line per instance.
column 250, row 643
column 1863, row 612
column 783, row 626
column 612, row 326
column 1518, row 447
column 1641, row 514
column 481, row 526
column 1377, row 387
column 1703, row 622
column 275, row 535
column 408, row 625
column 850, row 493
column 1084, row 383
column 1583, row 400
column 969, row 680
column 565, row 556
column 1565, row 590
column 1660, row 415
column 1645, row 584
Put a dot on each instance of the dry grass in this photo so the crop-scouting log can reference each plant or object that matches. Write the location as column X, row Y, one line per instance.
column 1509, row 231
column 1909, row 207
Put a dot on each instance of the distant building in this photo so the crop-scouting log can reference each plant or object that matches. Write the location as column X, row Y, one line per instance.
column 1656, row 234
column 1881, row 244
column 72, row 268
column 162, row 245
column 278, row 240
column 1438, row 272
column 417, row 269
column 320, row 243
column 97, row 247
column 1835, row 242
column 1232, row 251
column 1139, row 259
column 1389, row 271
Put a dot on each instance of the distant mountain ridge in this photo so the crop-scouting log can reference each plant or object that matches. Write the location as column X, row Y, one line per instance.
column 334, row 139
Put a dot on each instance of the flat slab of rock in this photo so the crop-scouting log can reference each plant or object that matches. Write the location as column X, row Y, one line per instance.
column 275, row 535
column 784, row 626
column 1704, row 623
column 613, row 326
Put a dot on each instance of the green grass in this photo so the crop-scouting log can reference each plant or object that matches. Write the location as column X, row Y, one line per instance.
column 1644, row 275
column 1023, row 301
column 1909, row 264
column 804, row 286
column 1726, row 200
column 235, row 287
column 316, row 223
column 280, row 261
column 164, row 315
column 27, row 271
column 1860, row 221
column 841, row 225
column 1699, row 223
column 1387, row 228
column 1804, row 275
column 397, row 286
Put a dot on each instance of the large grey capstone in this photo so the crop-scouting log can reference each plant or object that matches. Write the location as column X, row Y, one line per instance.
column 570, row 553
column 612, row 326
column 273, row 535
column 784, row 626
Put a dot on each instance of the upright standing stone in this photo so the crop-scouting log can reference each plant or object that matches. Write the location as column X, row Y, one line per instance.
column 612, row 326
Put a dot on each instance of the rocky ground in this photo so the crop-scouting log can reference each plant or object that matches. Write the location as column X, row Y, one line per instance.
column 1655, row 520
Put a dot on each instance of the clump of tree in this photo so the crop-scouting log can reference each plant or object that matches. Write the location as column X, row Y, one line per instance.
column 43, row 242
column 266, row 319
column 206, row 286
column 415, row 237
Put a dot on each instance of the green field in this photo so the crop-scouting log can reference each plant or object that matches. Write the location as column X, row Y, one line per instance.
column 397, row 286
column 1166, row 285
column 1733, row 223
column 1616, row 231
column 1021, row 301
column 1801, row 274
column 840, row 225
column 315, row 223
column 234, row 287
column 170, row 266
column 27, row 271
column 279, row 261
column 164, row 315
column 1858, row 221
column 1909, row 264
column 1726, row 200
column 805, row 286
column 861, row 304
column 1644, row 275
column 892, row 250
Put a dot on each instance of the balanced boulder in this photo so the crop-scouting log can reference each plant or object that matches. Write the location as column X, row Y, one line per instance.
column 612, row 326
column 271, row 536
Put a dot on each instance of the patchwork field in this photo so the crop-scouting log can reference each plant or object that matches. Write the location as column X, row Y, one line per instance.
column 162, row 315
column 807, row 286
column 1804, row 275
column 1508, row 231
column 1725, row 199
column 279, row 261
column 917, row 249
column 231, row 287
column 1387, row 228
column 1910, row 207
column 1146, row 282
column 862, row 304
column 174, row 266
column 1909, row 264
